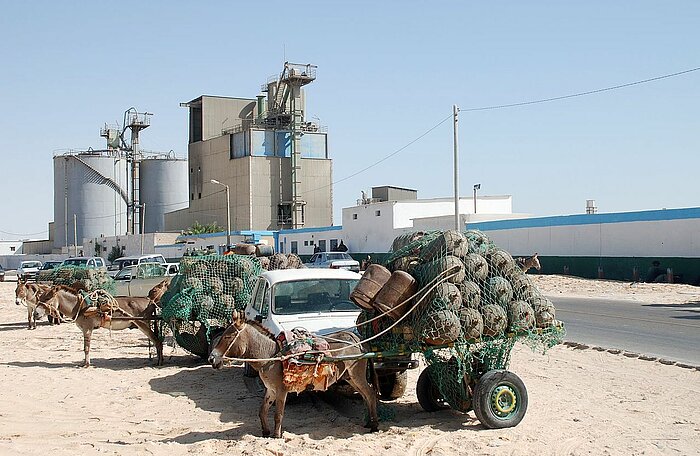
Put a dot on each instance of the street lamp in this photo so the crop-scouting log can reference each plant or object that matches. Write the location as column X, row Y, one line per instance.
column 476, row 187
column 228, row 213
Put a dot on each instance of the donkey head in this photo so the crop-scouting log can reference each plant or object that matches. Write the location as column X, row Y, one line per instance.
column 230, row 344
column 20, row 292
column 536, row 262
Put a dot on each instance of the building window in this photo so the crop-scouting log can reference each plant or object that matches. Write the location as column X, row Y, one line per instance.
column 377, row 213
column 12, row 249
column 334, row 244
column 199, row 195
column 354, row 216
column 191, row 170
column 322, row 245
column 295, row 248
column 192, row 196
column 306, row 243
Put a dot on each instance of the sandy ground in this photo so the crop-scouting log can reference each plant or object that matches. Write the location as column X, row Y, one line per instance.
column 580, row 401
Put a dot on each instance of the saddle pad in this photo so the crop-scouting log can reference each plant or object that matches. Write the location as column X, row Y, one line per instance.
column 300, row 377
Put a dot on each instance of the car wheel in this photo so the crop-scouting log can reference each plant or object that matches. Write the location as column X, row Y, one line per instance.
column 500, row 399
column 428, row 393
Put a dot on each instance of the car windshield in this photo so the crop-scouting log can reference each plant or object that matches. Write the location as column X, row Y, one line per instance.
column 317, row 295
column 50, row 265
column 31, row 264
column 338, row 256
column 75, row 262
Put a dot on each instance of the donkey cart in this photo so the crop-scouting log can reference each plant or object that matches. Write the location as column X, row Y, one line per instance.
column 461, row 303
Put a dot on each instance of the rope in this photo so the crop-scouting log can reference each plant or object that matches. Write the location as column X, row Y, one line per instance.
column 437, row 281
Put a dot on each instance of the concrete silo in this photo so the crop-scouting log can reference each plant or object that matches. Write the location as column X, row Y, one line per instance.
column 164, row 188
column 90, row 195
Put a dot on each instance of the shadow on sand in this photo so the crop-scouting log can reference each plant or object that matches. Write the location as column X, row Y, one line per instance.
column 225, row 392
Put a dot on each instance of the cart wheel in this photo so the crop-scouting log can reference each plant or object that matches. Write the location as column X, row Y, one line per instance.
column 393, row 385
column 429, row 396
column 500, row 399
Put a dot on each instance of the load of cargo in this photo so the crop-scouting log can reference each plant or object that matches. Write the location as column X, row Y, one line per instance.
column 202, row 297
column 80, row 277
column 462, row 302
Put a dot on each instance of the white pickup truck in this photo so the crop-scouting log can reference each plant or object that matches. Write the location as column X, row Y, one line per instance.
column 139, row 279
column 333, row 260
column 319, row 301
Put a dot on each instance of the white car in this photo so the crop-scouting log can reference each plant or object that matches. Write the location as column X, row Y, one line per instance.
column 319, row 301
column 139, row 279
column 28, row 270
column 315, row 299
column 122, row 262
column 333, row 260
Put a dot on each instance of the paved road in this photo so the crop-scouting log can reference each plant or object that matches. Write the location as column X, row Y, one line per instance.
column 670, row 331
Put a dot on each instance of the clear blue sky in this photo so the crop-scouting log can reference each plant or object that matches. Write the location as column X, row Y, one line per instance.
column 387, row 72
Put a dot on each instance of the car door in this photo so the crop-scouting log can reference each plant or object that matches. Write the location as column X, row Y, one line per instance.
column 142, row 284
column 257, row 309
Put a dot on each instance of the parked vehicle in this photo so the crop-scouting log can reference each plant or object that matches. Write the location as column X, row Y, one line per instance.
column 46, row 270
column 319, row 301
column 120, row 263
column 139, row 279
column 334, row 260
column 2, row 274
column 86, row 262
column 48, row 265
column 28, row 270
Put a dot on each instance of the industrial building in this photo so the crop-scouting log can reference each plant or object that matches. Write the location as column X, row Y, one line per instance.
column 115, row 191
column 270, row 158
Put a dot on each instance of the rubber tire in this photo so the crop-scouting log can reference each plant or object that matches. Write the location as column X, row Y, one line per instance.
column 392, row 386
column 481, row 401
column 428, row 393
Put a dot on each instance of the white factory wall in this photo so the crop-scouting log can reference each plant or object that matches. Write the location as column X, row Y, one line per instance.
column 308, row 238
column 662, row 233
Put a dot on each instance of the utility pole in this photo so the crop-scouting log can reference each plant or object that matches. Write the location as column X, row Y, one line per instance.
column 228, row 213
column 75, row 233
column 143, row 224
column 455, row 113
column 476, row 187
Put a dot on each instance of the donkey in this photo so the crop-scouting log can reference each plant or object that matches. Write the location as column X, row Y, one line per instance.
column 527, row 263
column 248, row 339
column 68, row 301
column 30, row 294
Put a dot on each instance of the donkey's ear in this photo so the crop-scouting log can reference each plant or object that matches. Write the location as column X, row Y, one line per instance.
column 238, row 318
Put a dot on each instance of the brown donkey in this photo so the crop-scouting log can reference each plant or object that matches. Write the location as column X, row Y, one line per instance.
column 30, row 294
column 69, row 302
column 528, row 263
column 249, row 340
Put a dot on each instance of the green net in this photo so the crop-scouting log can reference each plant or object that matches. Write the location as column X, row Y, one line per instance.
column 474, row 303
column 88, row 279
column 202, row 297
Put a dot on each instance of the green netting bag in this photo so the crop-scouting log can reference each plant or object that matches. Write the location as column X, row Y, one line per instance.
column 202, row 297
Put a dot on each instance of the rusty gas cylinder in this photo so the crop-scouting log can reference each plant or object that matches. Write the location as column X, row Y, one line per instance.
column 400, row 286
column 372, row 280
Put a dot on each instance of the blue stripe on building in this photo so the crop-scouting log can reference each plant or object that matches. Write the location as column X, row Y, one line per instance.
column 588, row 219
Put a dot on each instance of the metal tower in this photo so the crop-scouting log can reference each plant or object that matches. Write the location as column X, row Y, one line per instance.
column 285, row 110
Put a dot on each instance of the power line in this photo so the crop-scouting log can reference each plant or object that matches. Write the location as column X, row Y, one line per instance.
column 510, row 105
column 580, row 94
column 23, row 234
